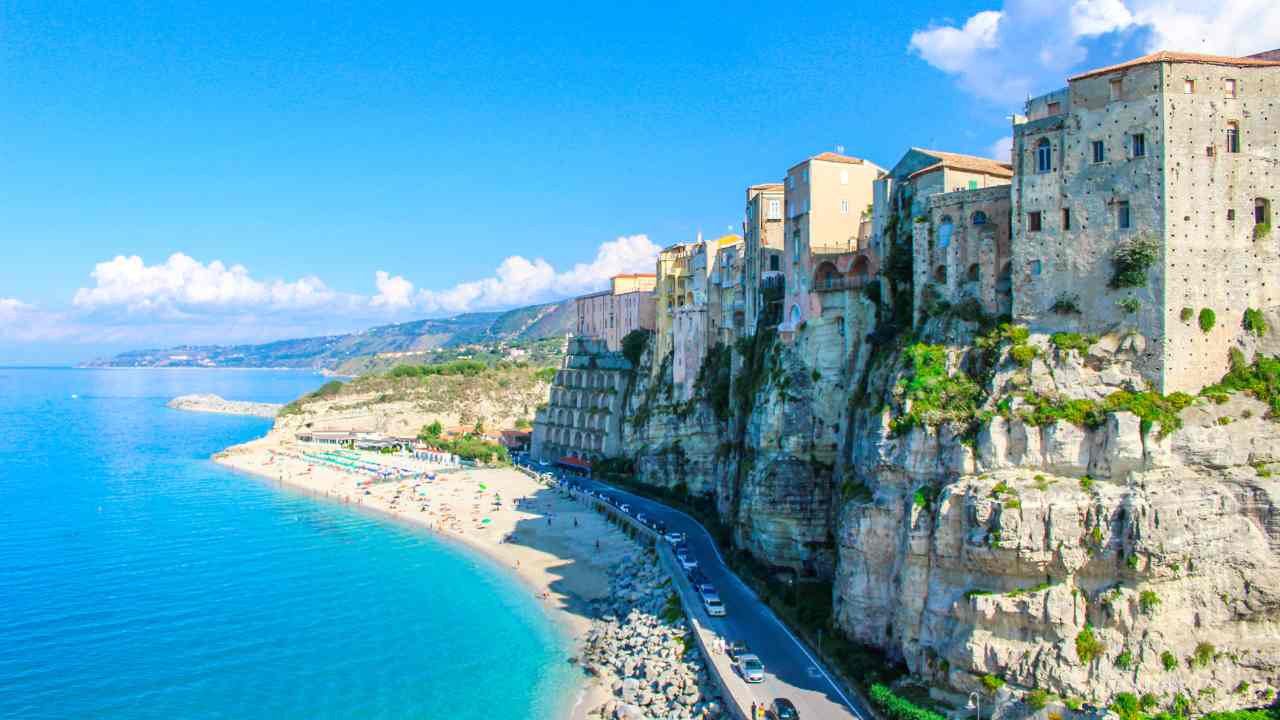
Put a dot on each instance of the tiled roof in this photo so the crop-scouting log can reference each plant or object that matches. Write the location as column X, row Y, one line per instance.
column 766, row 186
column 968, row 163
column 831, row 157
column 1167, row 56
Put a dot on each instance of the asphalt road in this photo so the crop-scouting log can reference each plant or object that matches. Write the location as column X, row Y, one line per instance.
column 790, row 671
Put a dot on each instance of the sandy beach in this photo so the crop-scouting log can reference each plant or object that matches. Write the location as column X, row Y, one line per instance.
column 556, row 546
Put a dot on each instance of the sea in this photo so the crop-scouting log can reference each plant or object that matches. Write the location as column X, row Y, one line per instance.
column 140, row 580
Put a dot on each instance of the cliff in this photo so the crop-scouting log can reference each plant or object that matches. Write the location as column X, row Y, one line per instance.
column 999, row 511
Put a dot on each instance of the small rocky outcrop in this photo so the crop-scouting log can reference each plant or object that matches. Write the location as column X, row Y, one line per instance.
column 214, row 404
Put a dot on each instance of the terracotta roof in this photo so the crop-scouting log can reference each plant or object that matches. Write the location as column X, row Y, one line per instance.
column 969, row 163
column 766, row 186
column 1170, row 57
column 831, row 157
column 1268, row 55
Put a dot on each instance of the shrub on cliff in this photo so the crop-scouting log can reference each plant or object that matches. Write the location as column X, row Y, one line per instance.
column 1131, row 261
column 1208, row 318
column 1261, row 379
column 897, row 708
column 931, row 396
column 633, row 345
column 1088, row 646
column 1254, row 322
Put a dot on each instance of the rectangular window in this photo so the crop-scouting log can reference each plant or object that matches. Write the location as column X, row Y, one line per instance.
column 1122, row 215
column 1033, row 221
column 775, row 209
column 773, row 262
column 1233, row 137
column 844, row 207
column 1066, row 218
column 844, row 177
column 1055, row 108
column 1115, row 89
column 791, row 182
column 1229, row 88
column 1036, row 267
column 1139, row 145
column 1099, row 151
column 1231, row 215
column 804, row 174
column 1189, row 86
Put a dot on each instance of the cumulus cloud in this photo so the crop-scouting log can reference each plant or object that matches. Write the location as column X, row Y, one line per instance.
column 1029, row 47
column 182, row 284
column 11, row 309
column 394, row 293
column 520, row 280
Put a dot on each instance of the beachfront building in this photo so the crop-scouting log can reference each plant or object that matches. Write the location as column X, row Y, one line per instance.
column 762, row 255
column 1142, row 200
column 609, row 315
column 582, row 420
column 825, row 197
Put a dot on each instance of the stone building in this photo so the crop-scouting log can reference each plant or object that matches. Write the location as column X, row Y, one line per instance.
column 582, row 419
column 962, row 249
column 825, row 199
column 763, row 247
column 674, row 291
column 726, row 293
column 1171, row 160
column 611, row 314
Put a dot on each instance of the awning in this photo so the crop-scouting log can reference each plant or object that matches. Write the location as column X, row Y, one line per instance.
column 574, row 462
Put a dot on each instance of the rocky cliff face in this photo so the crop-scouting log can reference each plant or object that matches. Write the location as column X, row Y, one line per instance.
column 1089, row 559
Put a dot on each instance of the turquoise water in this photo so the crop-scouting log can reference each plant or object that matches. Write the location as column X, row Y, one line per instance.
column 140, row 580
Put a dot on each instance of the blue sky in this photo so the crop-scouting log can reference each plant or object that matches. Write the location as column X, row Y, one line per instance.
column 524, row 151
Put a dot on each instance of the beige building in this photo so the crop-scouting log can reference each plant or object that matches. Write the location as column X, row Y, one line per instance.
column 610, row 314
column 962, row 251
column 726, row 293
column 826, row 198
column 674, row 291
column 1171, row 155
column 762, row 254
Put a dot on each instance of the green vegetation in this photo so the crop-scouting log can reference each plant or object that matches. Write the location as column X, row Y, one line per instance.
column 1261, row 230
column 1124, row 660
column 1086, row 483
column 1024, row 354
column 1186, row 314
column 328, row 390
column 1169, row 662
column 1066, row 304
column 1261, row 380
column 930, row 395
column 1153, row 409
column 1254, row 322
column 1126, row 705
column 992, row 682
column 715, row 380
column 468, row 368
column 1037, row 699
column 673, row 611
column 1204, row 654
column 896, row 708
column 633, row 345
column 1073, row 703
column 1088, row 646
column 1073, row 341
column 1148, row 601
column 1131, row 261
column 1208, row 318
column 1130, row 304
column 467, row 447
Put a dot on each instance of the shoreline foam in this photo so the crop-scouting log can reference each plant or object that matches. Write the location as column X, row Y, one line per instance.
column 564, row 564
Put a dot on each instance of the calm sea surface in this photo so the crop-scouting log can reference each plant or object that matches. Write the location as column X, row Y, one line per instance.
column 140, row 580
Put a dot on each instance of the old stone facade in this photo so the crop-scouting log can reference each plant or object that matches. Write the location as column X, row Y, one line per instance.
column 583, row 416
column 763, row 247
column 1174, row 153
column 961, row 251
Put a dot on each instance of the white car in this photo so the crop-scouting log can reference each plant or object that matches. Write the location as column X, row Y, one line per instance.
column 751, row 668
column 688, row 562
column 674, row 538
column 625, row 508
column 713, row 605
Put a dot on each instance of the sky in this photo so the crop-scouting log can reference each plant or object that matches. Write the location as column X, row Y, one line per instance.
column 233, row 171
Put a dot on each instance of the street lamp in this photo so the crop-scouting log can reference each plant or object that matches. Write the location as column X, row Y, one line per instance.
column 975, row 704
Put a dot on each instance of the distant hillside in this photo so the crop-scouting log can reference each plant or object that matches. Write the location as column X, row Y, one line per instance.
column 535, row 322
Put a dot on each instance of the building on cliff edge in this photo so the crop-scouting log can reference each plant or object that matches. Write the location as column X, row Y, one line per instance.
column 582, row 420
column 1142, row 200
column 609, row 315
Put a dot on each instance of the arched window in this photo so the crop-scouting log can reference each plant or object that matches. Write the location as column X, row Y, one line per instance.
column 940, row 274
column 1004, row 284
column 979, row 218
column 1044, row 156
column 795, row 315
column 944, row 232
column 973, row 273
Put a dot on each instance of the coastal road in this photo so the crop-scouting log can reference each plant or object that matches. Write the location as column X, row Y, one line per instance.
column 790, row 670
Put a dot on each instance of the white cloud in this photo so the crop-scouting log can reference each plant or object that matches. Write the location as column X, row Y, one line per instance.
column 1028, row 47
column 394, row 293
column 520, row 280
column 11, row 309
column 182, row 285
column 1001, row 149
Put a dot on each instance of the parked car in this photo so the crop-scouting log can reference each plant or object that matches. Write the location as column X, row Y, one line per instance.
column 751, row 668
column 625, row 508
column 689, row 563
column 703, row 587
column 783, row 709
column 640, row 518
column 674, row 538
column 713, row 605
column 736, row 648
